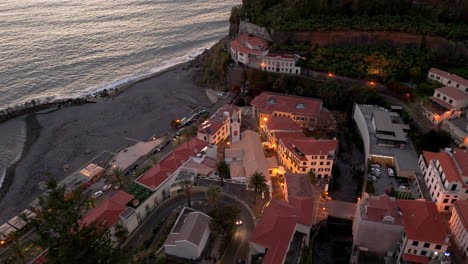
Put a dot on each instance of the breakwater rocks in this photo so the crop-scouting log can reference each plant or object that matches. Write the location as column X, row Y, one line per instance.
column 48, row 103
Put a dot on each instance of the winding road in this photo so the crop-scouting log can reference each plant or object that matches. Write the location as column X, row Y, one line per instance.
column 238, row 248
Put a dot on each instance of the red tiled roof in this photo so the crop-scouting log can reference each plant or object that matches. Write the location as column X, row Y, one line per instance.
column 217, row 120
column 378, row 208
column 415, row 258
column 284, row 56
column 310, row 146
column 447, row 163
column 268, row 102
column 282, row 123
column 441, row 102
column 422, row 221
column 461, row 158
column 453, row 92
column 461, row 206
column 239, row 47
column 161, row 171
column 274, row 231
column 279, row 135
column 452, row 77
column 108, row 212
column 253, row 41
column 303, row 207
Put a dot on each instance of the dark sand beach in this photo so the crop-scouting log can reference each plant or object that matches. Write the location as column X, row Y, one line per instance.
column 63, row 136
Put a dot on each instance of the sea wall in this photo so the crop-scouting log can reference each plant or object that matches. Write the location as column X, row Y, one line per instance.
column 358, row 38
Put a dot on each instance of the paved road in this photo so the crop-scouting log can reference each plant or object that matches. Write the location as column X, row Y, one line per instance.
column 239, row 246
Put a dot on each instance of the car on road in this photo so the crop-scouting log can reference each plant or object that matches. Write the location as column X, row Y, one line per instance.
column 106, row 187
column 239, row 222
column 376, row 172
column 97, row 194
column 391, row 173
column 403, row 187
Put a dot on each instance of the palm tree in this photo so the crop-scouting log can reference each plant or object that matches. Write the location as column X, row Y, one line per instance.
column 17, row 248
column 187, row 187
column 258, row 183
column 213, row 194
column 223, row 171
column 118, row 175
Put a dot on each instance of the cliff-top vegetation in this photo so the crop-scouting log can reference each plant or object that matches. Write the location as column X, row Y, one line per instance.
column 426, row 17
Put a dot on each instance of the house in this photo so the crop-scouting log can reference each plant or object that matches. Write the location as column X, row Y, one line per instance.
column 189, row 235
column 277, row 127
column 301, row 155
column 280, row 63
column 248, row 50
column 286, row 223
column 306, row 112
column 113, row 212
column 446, row 176
column 459, row 226
column 426, row 236
column 448, row 79
column 162, row 179
column 448, row 102
column 247, row 157
column 385, row 139
column 223, row 124
column 458, row 129
column 377, row 225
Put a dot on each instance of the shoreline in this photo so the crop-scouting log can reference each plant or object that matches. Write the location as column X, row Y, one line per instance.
column 58, row 133
column 33, row 131
column 37, row 105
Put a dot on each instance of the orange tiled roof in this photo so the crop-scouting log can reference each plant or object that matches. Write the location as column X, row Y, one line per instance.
column 282, row 123
column 108, row 212
column 379, row 207
column 452, row 77
column 448, row 164
column 453, row 92
column 422, row 221
column 268, row 102
column 253, row 41
column 310, row 146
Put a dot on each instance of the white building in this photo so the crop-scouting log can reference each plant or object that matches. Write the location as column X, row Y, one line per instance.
column 459, row 226
column 280, row 63
column 223, row 124
column 248, row 50
column 446, row 176
column 448, row 79
column 189, row 235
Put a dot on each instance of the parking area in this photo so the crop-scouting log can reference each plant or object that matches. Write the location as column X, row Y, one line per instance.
column 383, row 182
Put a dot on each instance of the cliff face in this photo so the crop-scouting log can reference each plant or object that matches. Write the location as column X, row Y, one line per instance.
column 358, row 38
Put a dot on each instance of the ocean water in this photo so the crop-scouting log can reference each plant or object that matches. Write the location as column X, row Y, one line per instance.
column 69, row 48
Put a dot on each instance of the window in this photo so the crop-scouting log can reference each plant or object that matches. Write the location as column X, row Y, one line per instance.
column 438, row 94
column 321, row 163
column 328, row 163
column 322, row 157
column 438, row 247
column 415, row 243
column 314, row 163
column 303, row 169
column 426, row 245
column 449, row 82
column 454, row 187
column 446, row 208
column 453, row 200
column 450, row 101
column 444, row 98
column 423, row 253
column 304, row 163
column 432, row 75
column 445, row 201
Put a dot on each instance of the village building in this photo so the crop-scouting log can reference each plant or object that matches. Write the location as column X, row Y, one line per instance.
column 302, row 155
column 286, row 223
column 247, row 157
column 248, row 50
column 410, row 231
column 115, row 212
column 385, row 138
column 446, row 176
column 306, row 112
column 223, row 124
column 280, row 63
column 448, row 102
column 189, row 235
column 459, row 227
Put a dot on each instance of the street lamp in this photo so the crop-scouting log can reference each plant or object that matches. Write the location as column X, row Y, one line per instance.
column 265, row 119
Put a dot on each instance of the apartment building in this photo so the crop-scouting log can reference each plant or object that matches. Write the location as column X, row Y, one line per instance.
column 459, row 227
column 448, row 79
column 426, row 236
column 306, row 112
column 301, row 155
column 223, row 124
column 248, row 50
column 277, row 127
column 446, row 176
column 280, row 63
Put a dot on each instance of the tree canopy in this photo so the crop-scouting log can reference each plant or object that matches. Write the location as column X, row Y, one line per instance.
column 223, row 219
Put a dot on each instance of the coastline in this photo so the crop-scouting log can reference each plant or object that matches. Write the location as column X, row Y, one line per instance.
column 57, row 134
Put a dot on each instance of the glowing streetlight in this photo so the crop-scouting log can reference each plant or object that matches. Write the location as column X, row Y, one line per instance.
column 330, row 74
column 262, row 64
column 265, row 119
column 372, row 83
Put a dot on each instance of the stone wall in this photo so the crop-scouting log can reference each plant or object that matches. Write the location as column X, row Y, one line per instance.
column 252, row 29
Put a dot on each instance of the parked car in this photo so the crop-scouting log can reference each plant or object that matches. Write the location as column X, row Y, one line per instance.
column 391, row 173
column 375, row 165
column 106, row 187
column 376, row 172
column 97, row 194
column 403, row 187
